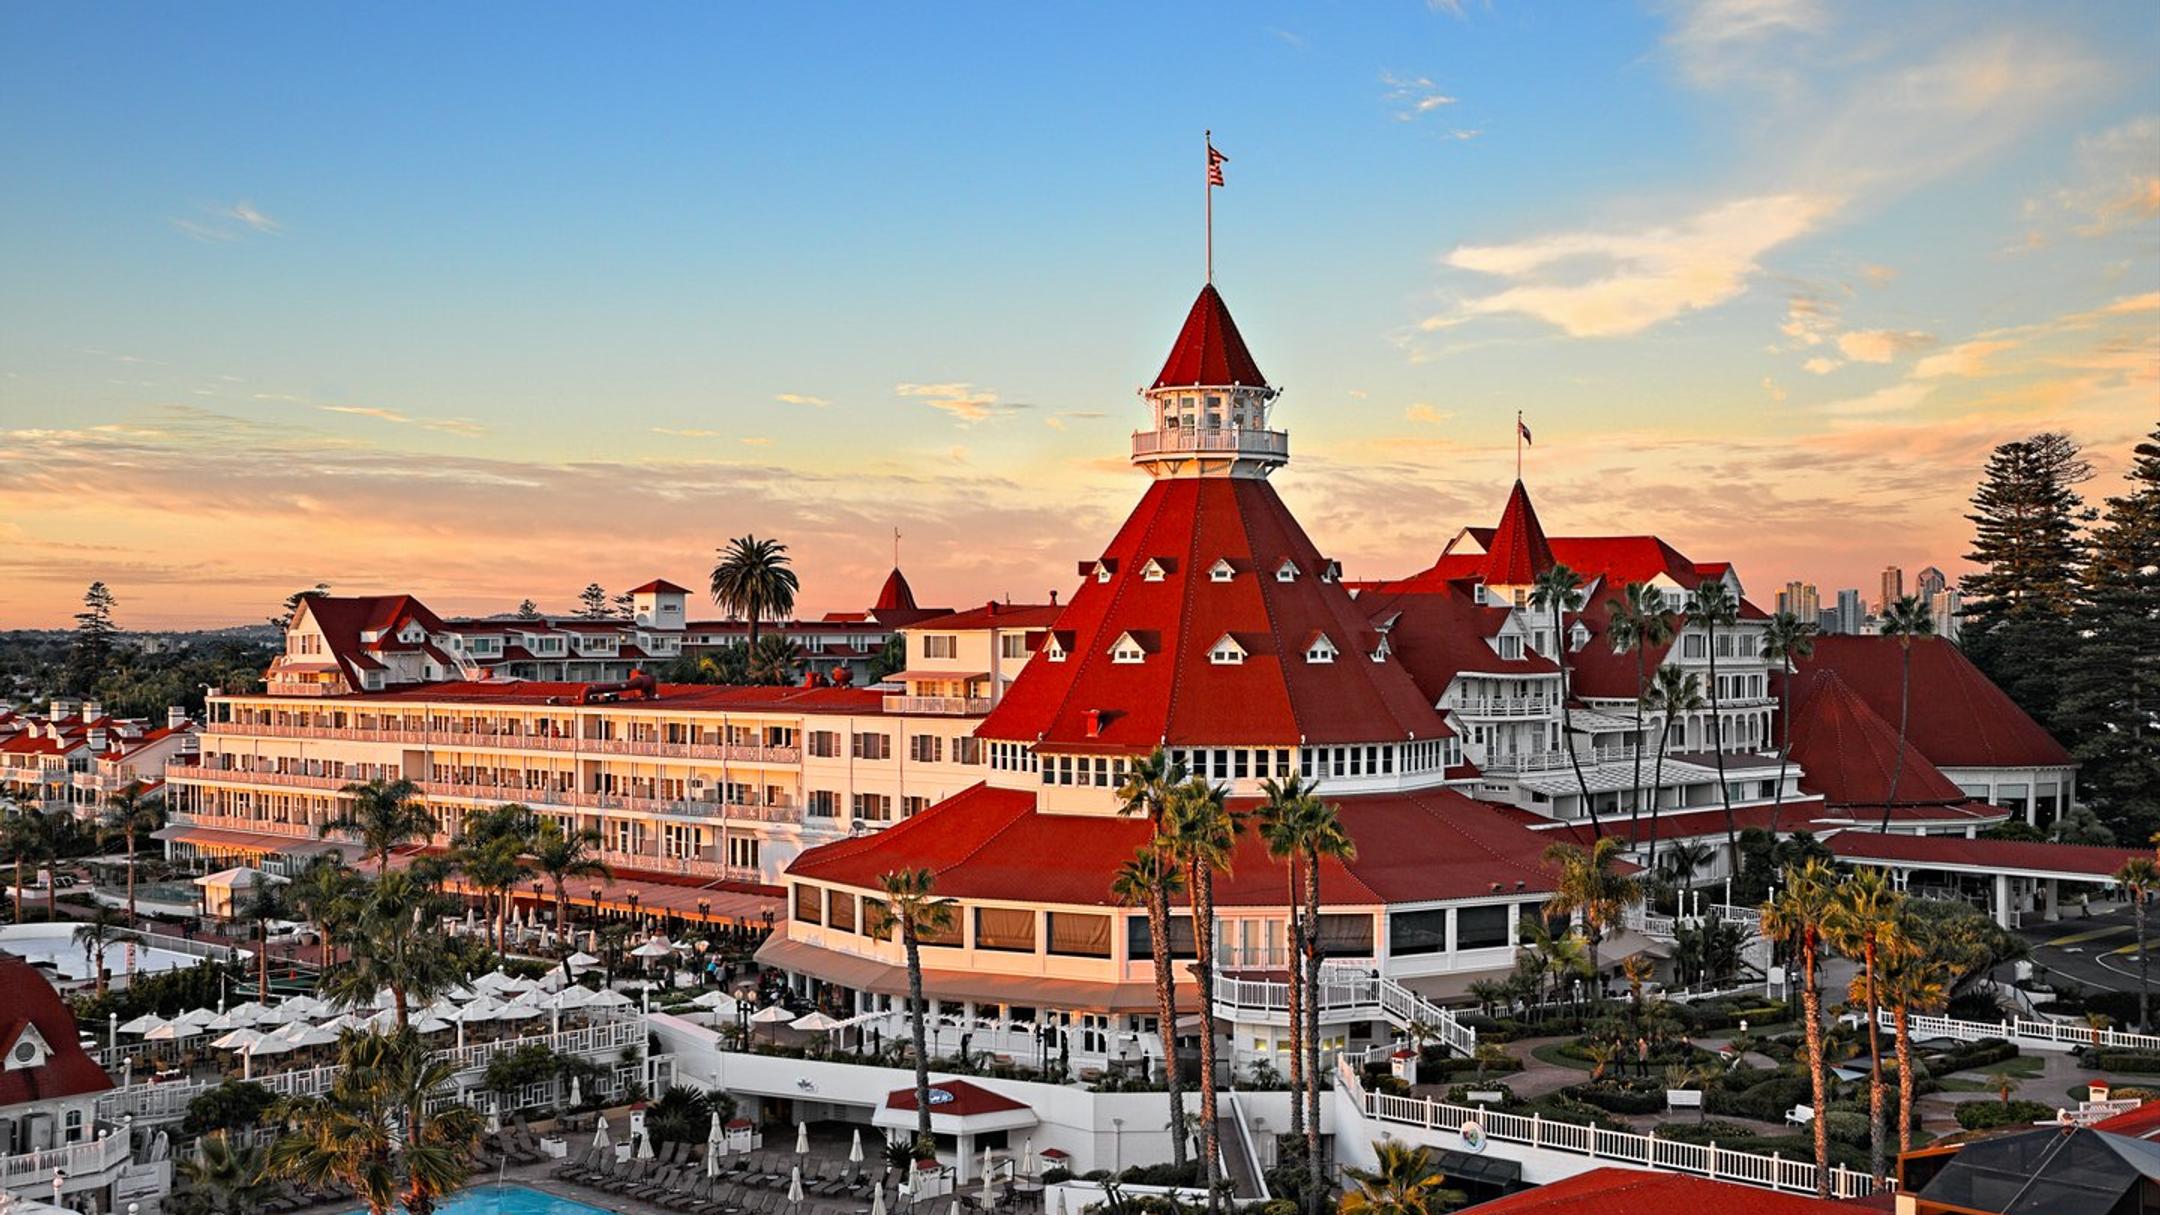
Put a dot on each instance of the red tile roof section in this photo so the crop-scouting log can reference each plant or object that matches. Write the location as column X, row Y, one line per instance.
column 992, row 843
column 1959, row 718
column 1848, row 752
column 995, row 616
column 67, row 1071
column 1618, row 1191
column 967, row 1099
column 895, row 594
column 1209, row 350
column 659, row 586
column 1996, row 855
column 1519, row 551
column 1176, row 695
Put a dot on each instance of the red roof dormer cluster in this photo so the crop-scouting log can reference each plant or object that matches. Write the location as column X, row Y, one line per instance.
column 33, row 1012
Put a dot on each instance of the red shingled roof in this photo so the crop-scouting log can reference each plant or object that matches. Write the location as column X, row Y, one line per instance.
column 1518, row 552
column 896, row 593
column 67, row 1071
column 1959, row 718
column 1848, row 751
column 992, row 843
column 1440, row 634
column 1176, row 695
column 966, row 1099
column 824, row 699
column 659, row 586
column 996, row 616
column 1209, row 349
column 1922, row 850
column 1618, row 1191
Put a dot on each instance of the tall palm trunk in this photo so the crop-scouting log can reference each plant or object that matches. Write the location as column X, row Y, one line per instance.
column 262, row 962
column 1567, row 726
column 1295, row 925
column 917, row 1011
column 1875, row 1077
column 1158, row 914
column 1903, row 1020
column 131, row 876
column 20, row 886
column 1904, row 716
column 1203, row 913
column 1311, row 962
column 2144, row 965
column 1777, row 796
column 1642, row 677
column 1717, row 750
column 1657, row 785
column 1811, row 1008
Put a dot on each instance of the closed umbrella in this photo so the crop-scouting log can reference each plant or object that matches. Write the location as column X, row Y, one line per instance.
column 854, row 1153
column 575, row 1099
column 877, row 1200
column 644, row 1145
column 794, row 1189
column 712, row 1156
column 802, row 1140
column 1027, row 1157
column 1061, row 1200
column 600, row 1136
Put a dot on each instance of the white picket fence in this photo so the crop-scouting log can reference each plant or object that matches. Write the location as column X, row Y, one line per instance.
column 1773, row 1171
column 2023, row 1031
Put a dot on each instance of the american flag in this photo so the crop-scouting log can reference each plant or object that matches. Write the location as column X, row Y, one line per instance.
column 1523, row 428
column 1215, row 162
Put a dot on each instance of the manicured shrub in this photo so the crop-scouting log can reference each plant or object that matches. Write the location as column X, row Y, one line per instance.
column 1986, row 1115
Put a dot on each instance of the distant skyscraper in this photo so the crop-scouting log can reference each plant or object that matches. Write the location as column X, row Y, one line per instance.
column 1800, row 599
column 1948, row 605
column 1826, row 620
column 1929, row 583
column 1851, row 611
column 1893, row 587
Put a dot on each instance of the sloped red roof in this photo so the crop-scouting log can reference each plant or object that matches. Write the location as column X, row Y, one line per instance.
column 996, row 616
column 67, row 1071
column 896, row 593
column 965, row 1099
column 1959, row 718
column 1518, row 552
column 1618, row 1191
column 1440, row 634
column 2089, row 859
column 1209, row 350
column 1848, row 752
column 992, row 843
column 1176, row 695
column 659, row 586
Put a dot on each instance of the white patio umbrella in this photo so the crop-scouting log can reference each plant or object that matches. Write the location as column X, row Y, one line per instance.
column 268, row 1044
column 248, row 1009
column 644, row 1145
column 772, row 1014
column 142, row 1024
column 311, row 1035
column 713, row 999
column 430, row 1024
column 237, row 1039
column 877, row 1200
column 305, row 1005
column 491, row 981
column 815, row 1023
column 482, row 1009
column 1061, row 1200
column 611, row 999
column 802, row 1140
column 794, row 1189
column 226, row 1020
column 600, row 1136
column 518, row 1010
column 854, row 1152
column 575, row 1098
column 571, row 997
column 494, row 1121
column 169, row 1032
column 956, row 1207
column 582, row 960
column 989, row 1194
column 712, row 1156
column 197, row 1017
column 1027, row 1157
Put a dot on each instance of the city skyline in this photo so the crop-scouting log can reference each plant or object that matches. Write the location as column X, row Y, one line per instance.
column 498, row 303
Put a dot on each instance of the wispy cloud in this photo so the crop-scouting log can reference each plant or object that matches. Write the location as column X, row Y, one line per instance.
column 1881, row 345
column 1419, row 411
column 220, row 224
column 1717, row 41
column 965, row 402
column 1412, row 97
column 1964, row 360
column 800, row 398
column 2116, row 185
column 462, row 427
column 1056, row 421
column 756, row 441
column 687, row 432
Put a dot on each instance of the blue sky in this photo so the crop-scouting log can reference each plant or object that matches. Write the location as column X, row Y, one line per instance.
column 493, row 301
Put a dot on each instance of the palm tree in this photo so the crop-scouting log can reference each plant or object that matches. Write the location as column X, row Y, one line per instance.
column 220, row 1179
column 491, row 854
column 1202, row 833
column 1863, row 923
column 1905, row 620
column 1325, row 839
column 1786, row 639
column 33, row 839
column 323, row 895
column 129, row 814
column 1146, row 792
column 394, row 945
column 1638, row 621
column 751, row 579
column 104, row 927
column 373, row 1131
column 1797, row 917
column 1281, row 819
column 559, row 855
column 912, row 906
column 1680, row 864
column 1712, row 605
column 1405, row 1183
column 1672, row 693
column 265, row 902
column 1559, row 590
column 2140, row 878
column 1590, row 886
column 774, row 659
column 384, row 814
column 1914, row 976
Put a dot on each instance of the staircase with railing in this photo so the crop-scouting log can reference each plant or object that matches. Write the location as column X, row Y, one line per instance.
column 1344, row 994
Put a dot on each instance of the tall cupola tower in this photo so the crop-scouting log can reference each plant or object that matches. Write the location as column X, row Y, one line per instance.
column 1208, row 409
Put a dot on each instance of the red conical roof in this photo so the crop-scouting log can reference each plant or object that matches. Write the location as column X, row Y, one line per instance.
column 1518, row 552
column 895, row 595
column 1209, row 350
column 1847, row 751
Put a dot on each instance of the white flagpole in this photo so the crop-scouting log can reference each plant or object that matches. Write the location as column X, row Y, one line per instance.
column 1207, row 183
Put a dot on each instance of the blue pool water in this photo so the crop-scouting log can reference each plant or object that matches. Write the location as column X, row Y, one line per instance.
column 492, row 1199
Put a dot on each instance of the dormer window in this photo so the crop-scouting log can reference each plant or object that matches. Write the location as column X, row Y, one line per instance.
column 1320, row 649
column 1221, row 571
column 1053, row 648
column 1578, row 637
column 1287, row 571
column 1226, row 652
column 1380, row 652
column 1510, row 646
column 1330, row 571
column 29, row 1049
column 1127, row 649
column 1156, row 569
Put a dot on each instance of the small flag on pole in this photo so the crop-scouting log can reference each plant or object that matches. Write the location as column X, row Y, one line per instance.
column 1522, row 428
column 1215, row 162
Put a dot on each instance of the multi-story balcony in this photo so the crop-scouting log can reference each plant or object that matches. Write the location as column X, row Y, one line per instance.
column 1257, row 444
column 252, row 826
column 948, row 706
column 751, row 753
column 694, row 866
column 635, row 803
column 80, row 1163
column 200, row 775
column 1556, row 760
column 1506, row 706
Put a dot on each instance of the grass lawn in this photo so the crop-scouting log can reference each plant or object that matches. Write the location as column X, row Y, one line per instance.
column 2022, row 1067
column 1550, row 1053
column 1958, row 1084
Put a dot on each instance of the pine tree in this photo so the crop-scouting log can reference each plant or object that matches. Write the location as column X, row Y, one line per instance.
column 283, row 620
column 2111, row 690
column 528, row 610
column 592, row 602
column 2027, row 517
column 624, row 604
column 91, row 651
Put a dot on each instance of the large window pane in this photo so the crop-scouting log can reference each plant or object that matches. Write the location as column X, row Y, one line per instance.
column 840, row 913
column 1005, row 928
column 1081, row 936
column 1416, row 932
column 1346, row 936
column 1481, row 927
column 808, row 904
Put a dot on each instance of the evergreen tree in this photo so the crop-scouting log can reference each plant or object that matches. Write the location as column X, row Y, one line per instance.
column 624, row 604
column 2110, row 709
column 283, row 619
column 91, row 650
column 592, row 602
column 528, row 610
column 2026, row 517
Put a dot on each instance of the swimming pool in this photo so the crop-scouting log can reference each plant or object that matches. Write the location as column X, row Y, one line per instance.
column 40, row 944
column 504, row 1199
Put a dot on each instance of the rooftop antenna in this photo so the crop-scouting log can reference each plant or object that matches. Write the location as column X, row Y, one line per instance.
column 896, row 548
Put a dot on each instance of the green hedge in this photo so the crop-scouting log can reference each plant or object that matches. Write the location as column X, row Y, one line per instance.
column 2125, row 1061
column 1986, row 1115
column 1765, row 1101
column 1436, row 1070
column 1619, row 1099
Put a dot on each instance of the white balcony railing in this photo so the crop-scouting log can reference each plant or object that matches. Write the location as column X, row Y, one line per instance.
column 1272, row 444
column 949, row 706
column 75, row 1160
column 1507, row 706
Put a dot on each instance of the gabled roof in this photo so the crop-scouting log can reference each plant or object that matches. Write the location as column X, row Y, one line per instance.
column 1209, row 350
column 67, row 1070
column 1441, row 635
column 659, row 586
column 1518, row 552
column 1849, row 752
column 896, row 593
column 994, row 615
column 1959, row 718
column 1177, row 697
column 1618, row 1191
column 992, row 843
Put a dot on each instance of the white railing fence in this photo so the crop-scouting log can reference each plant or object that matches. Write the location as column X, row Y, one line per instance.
column 1773, row 1171
column 1342, row 993
column 2024, row 1030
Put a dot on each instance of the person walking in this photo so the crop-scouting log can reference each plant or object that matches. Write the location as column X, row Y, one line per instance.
column 1642, row 1057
